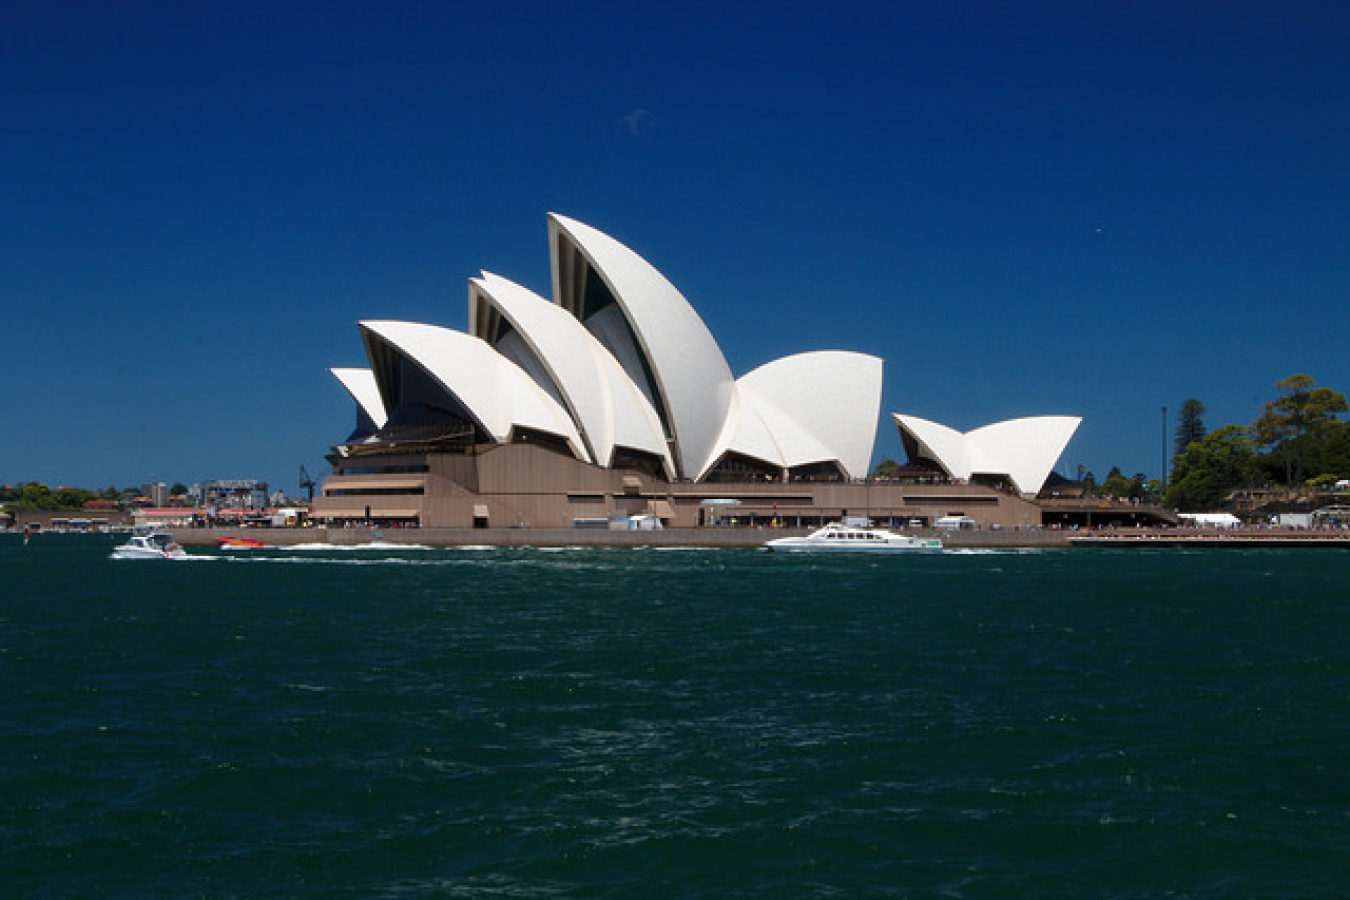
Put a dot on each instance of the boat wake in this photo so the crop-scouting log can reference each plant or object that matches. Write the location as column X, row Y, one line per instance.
column 324, row 547
column 998, row 551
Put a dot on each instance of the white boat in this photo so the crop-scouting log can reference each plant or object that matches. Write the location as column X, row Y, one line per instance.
column 154, row 545
column 837, row 538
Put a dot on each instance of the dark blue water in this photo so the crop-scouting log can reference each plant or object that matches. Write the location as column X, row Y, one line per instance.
column 700, row 723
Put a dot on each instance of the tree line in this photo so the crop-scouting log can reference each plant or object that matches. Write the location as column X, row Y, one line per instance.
column 33, row 495
column 1298, row 440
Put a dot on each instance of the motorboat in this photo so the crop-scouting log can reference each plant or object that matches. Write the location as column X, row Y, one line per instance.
column 840, row 538
column 235, row 543
column 152, row 545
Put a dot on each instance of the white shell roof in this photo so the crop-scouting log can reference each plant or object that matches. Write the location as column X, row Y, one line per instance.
column 607, row 407
column 760, row 428
column 360, row 383
column 820, row 406
column 497, row 392
column 691, row 374
column 1025, row 450
column 745, row 432
column 943, row 445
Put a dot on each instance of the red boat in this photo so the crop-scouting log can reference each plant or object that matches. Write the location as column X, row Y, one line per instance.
column 239, row 543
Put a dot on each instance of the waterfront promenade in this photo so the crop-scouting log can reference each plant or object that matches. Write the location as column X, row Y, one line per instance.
column 583, row 537
column 755, row 537
column 1218, row 537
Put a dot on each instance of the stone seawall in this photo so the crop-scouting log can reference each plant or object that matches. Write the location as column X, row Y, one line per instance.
column 755, row 537
column 1237, row 537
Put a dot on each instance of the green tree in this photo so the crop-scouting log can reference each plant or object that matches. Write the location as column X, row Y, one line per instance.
column 38, row 496
column 71, row 498
column 1136, row 487
column 1153, row 489
column 34, row 495
column 887, row 468
column 1190, row 425
column 1210, row 469
column 1296, row 422
column 1115, row 484
column 1331, row 454
column 1140, row 488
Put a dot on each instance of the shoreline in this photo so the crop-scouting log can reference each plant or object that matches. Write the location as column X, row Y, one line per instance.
column 579, row 537
column 1235, row 538
column 755, row 537
column 712, row 537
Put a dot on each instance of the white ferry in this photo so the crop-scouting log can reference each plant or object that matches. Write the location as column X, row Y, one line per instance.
column 838, row 538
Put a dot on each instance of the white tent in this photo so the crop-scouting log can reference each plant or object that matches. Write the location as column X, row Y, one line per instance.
column 1210, row 520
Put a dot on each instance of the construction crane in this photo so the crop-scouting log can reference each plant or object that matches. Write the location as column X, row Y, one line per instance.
column 307, row 484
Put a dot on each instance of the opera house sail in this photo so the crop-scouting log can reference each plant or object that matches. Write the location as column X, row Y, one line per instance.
column 1018, row 452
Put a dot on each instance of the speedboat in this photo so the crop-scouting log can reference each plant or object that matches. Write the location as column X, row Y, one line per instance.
column 839, row 538
column 154, row 545
column 234, row 543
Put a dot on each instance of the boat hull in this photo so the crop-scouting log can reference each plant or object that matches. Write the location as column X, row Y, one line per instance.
column 151, row 546
column 836, row 538
column 239, row 544
column 817, row 548
column 137, row 553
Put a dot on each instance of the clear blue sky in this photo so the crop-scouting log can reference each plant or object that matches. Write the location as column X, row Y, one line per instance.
column 1024, row 208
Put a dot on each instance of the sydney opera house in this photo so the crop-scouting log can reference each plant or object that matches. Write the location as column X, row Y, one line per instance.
column 612, row 400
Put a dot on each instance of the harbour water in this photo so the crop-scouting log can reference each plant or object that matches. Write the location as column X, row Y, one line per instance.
column 673, row 723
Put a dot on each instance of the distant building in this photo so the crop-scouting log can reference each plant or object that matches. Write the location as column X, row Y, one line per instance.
column 232, row 493
column 156, row 493
column 163, row 517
